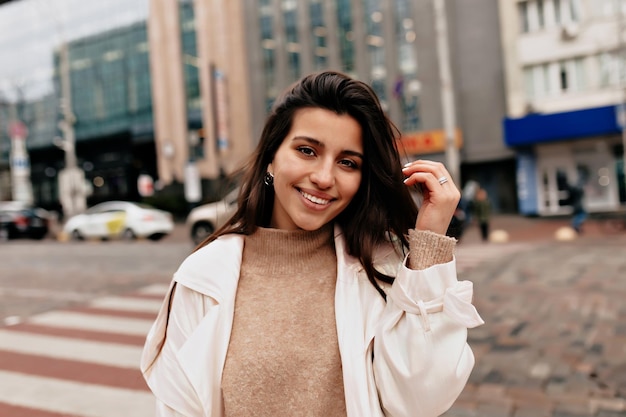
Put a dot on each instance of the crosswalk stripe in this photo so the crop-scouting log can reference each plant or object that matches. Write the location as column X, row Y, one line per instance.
column 127, row 304
column 84, row 321
column 154, row 289
column 111, row 312
column 102, row 353
column 126, row 339
column 79, row 362
column 9, row 410
column 80, row 399
column 90, row 373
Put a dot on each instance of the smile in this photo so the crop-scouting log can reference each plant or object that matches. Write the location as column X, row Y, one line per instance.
column 314, row 199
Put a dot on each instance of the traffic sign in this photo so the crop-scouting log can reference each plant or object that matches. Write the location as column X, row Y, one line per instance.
column 18, row 129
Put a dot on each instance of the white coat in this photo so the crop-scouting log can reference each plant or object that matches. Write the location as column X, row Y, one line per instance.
column 405, row 357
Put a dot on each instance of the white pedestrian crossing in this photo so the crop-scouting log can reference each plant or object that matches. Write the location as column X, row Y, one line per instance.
column 127, row 303
column 112, row 354
column 86, row 321
column 81, row 361
column 77, row 399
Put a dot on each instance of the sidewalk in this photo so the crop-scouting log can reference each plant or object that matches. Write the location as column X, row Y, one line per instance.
column 554, row 339
column 530, row 229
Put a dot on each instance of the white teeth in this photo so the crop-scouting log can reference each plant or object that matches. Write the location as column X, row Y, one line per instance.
column 314, row 199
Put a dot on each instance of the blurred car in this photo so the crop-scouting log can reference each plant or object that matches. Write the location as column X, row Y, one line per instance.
column 120, row 220
column 205, row 219
column 22, row 220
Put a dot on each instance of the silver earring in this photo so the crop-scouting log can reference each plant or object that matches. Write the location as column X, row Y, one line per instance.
column 268, row 179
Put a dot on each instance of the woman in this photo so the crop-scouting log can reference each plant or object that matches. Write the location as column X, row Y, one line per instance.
column 306, row 302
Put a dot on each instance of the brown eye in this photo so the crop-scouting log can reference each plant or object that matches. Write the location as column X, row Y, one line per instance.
column 349, row 163
column 306, row 150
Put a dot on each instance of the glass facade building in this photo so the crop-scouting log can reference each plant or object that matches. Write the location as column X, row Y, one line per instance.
column 126, row 82
column 110, row 85
column 110, row 89
column 371, row 40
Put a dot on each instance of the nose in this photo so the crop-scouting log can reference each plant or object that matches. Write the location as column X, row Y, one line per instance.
column 323, row 175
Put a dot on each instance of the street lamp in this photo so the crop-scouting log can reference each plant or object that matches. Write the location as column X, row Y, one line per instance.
column 447, row 91
column 72, row 189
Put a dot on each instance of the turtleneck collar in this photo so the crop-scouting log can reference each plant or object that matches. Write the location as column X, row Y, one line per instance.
column 277, row 251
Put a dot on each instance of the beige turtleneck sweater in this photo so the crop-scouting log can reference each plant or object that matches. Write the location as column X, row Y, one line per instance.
column 283, row 355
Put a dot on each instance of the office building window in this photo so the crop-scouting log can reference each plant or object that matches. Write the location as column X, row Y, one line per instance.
column 555, row 78
column 190, row 56
column 346, row 36
column 608, row 8
column 406, row 85
column 268, row 45
column 523, row 16
column 291, row 35
column 537, row 80
column 571, row 75
column 556, row 4
column 376, row 48
column 320, row 33
column 574, row 10
column 535, row 15
column 611, row 67
column 541, row 16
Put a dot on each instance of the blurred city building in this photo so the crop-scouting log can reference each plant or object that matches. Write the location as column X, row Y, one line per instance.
column 392, row 45
column 565, row 79
column 177, row 91
column 105, row 121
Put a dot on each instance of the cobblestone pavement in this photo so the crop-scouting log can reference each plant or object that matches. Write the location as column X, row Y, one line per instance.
column 554, row 342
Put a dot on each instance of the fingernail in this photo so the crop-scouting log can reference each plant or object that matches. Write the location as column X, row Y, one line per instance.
column 408, row 164
column 405, row 180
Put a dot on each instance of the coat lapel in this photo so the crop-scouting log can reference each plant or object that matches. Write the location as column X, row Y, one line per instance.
column 203, row 355
column 352, row 331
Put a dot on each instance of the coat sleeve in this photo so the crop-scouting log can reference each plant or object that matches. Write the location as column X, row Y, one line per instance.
column 179, row 316
column 421, row 357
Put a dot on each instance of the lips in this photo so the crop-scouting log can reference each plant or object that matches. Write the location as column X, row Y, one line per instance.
column 314, row 199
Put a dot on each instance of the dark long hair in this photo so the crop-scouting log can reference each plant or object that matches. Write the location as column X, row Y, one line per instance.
column 381, row 208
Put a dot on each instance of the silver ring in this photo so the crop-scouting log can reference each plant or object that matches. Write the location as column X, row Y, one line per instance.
column 443, row 180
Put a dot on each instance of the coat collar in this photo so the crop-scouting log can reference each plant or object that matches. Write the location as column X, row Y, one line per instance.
column 214, row 271
column 224, row 256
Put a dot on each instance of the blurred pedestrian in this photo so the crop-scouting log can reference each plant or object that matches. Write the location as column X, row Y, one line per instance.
column 301, row 304
column 467, row 197
column 481, row 207
column 576, row 198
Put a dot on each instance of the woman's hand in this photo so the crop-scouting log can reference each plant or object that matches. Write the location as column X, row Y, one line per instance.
column 440, row 195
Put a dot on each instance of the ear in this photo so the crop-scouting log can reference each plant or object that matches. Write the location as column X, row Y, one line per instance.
column 269, row 168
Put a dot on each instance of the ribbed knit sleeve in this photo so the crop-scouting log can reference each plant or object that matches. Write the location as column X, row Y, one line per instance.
column 427, row 248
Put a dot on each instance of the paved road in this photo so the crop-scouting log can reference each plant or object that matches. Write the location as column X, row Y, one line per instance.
column 554, row 342
column 76, row 314
column 37, row 277
column 73, row 320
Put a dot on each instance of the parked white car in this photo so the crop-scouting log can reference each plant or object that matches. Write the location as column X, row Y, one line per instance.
column 205, row 219
column 120, row 219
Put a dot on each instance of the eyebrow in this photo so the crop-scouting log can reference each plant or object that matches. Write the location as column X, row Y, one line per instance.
column 322, row 145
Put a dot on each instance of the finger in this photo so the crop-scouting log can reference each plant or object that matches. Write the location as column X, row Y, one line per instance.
column 435, row 168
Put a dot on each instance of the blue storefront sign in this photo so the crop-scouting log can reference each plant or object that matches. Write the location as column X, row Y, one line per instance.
column 544, row 128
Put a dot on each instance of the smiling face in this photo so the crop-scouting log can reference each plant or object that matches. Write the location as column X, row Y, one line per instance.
column 317, row 169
